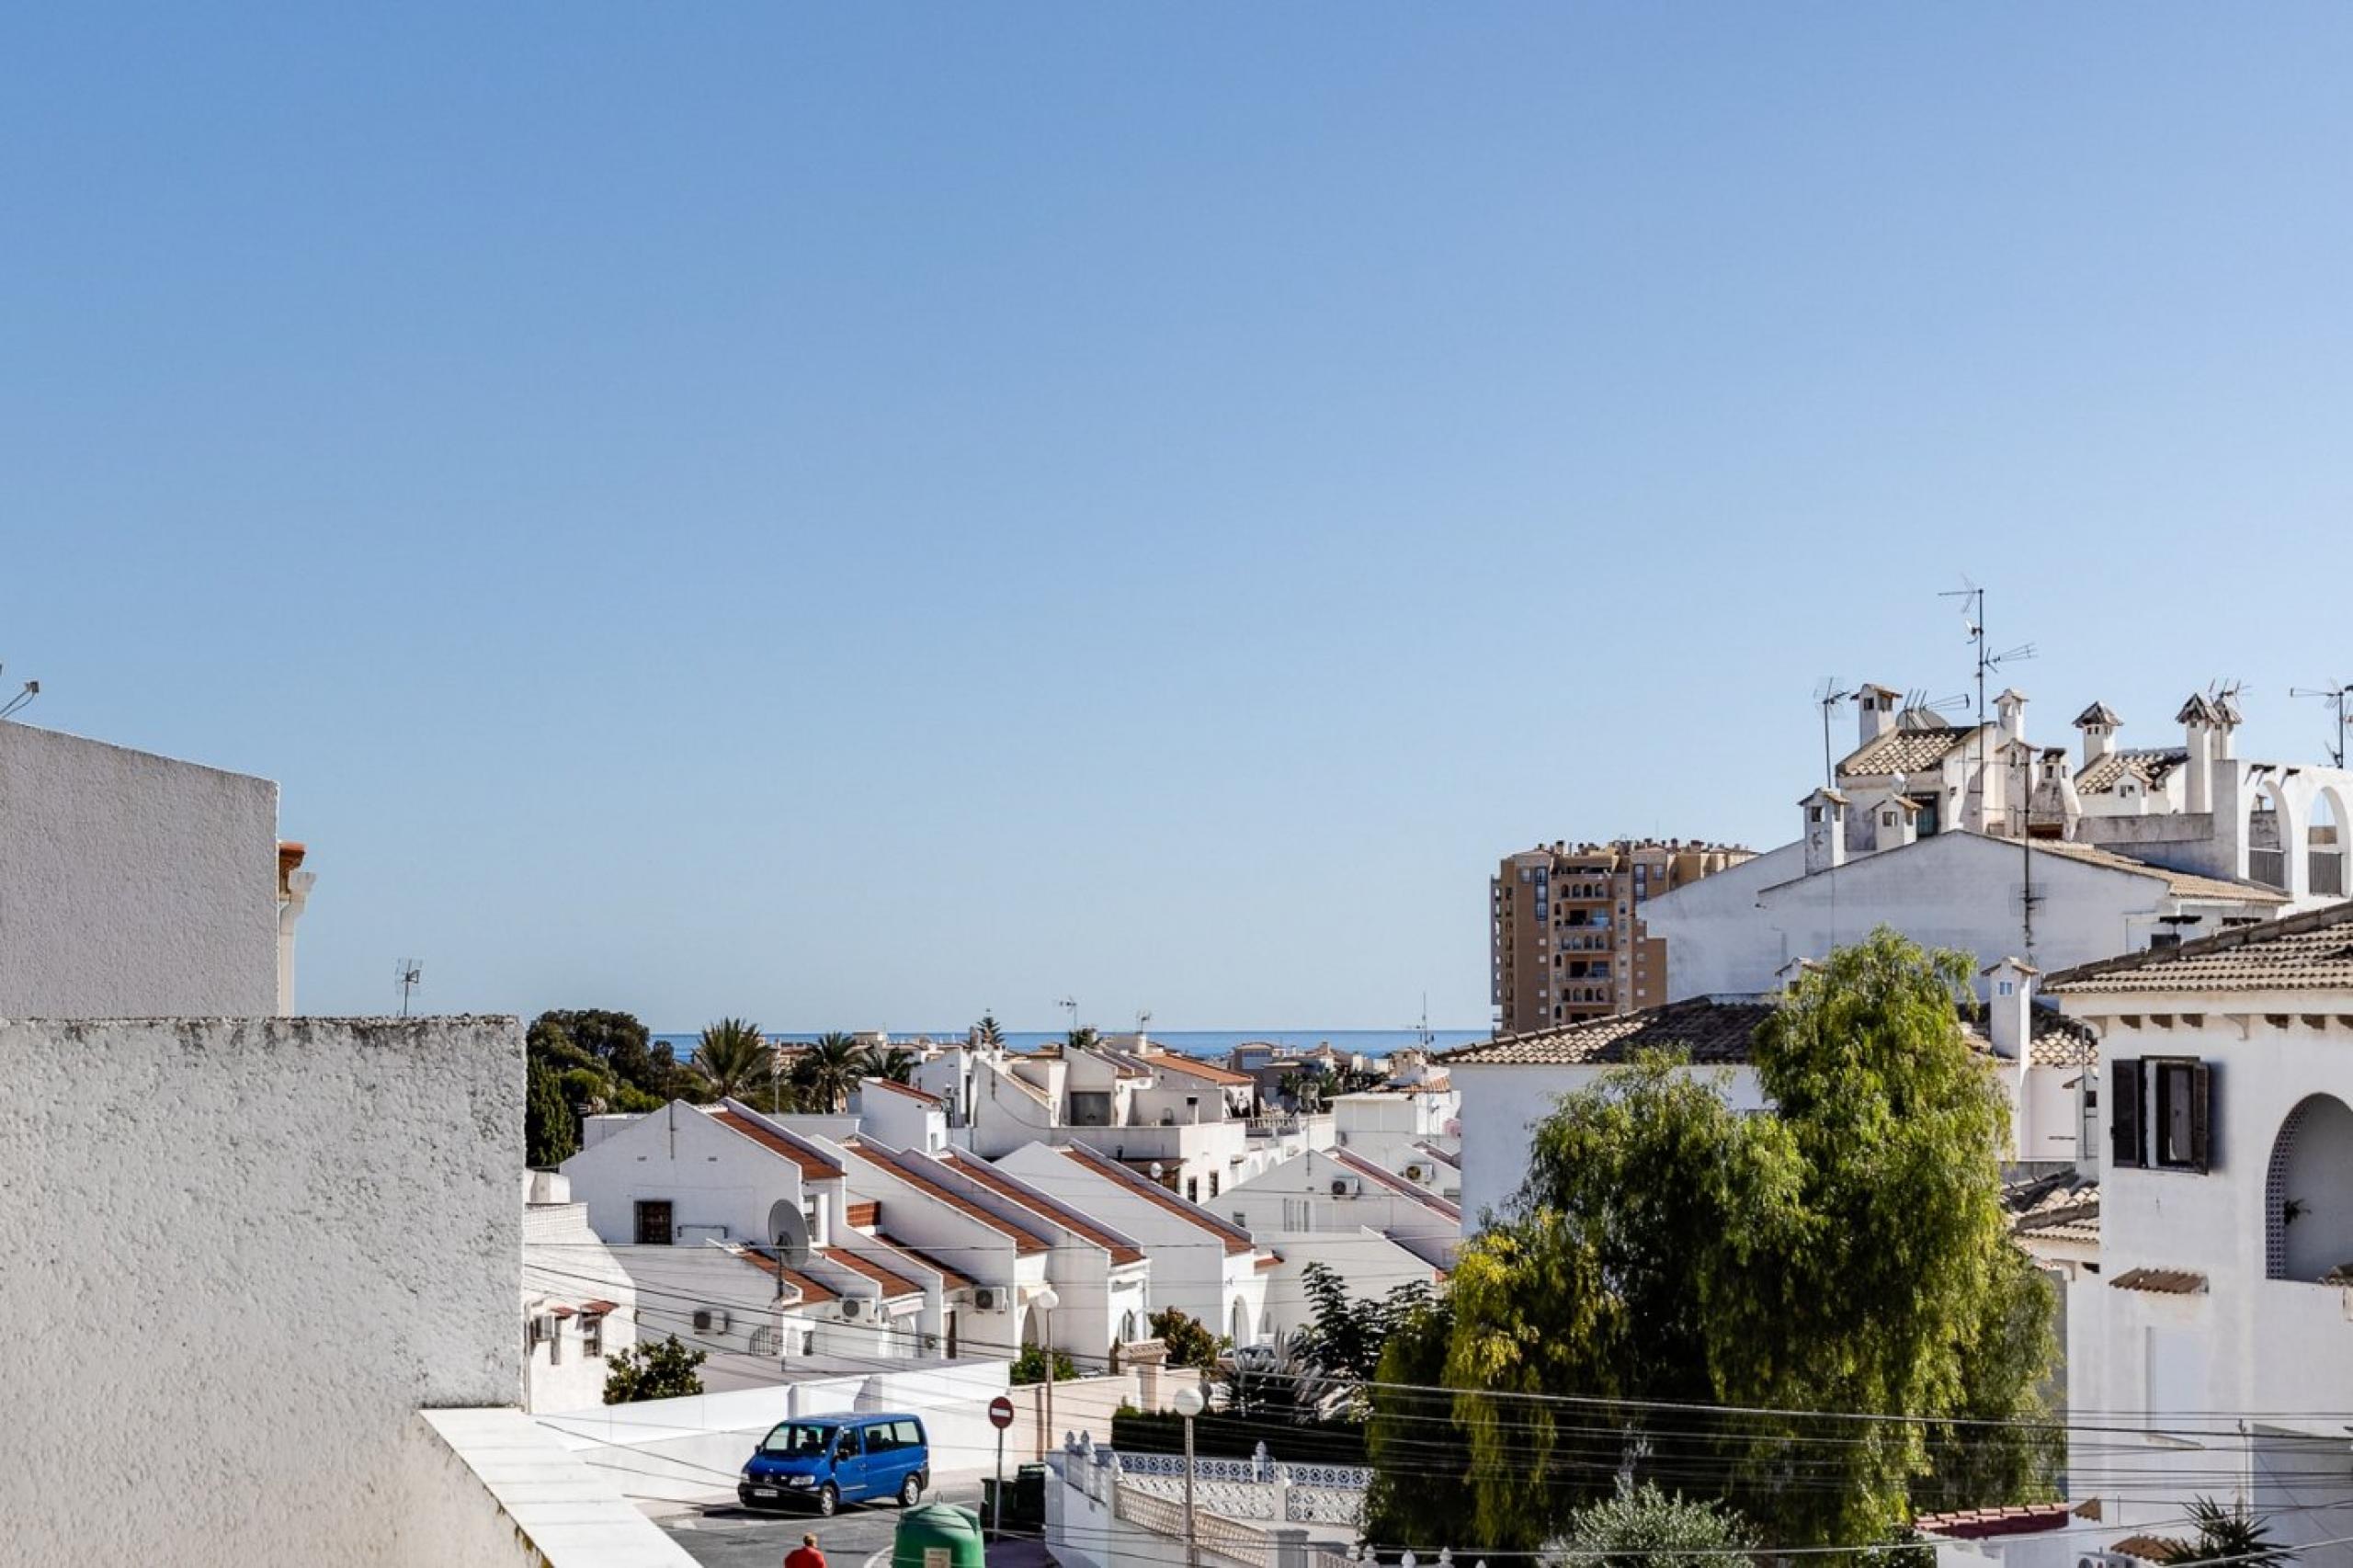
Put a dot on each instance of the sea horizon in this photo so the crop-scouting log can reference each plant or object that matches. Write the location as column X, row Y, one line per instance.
column 1204, row 1043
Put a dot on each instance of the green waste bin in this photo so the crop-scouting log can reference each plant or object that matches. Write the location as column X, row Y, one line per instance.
column 938, row 1535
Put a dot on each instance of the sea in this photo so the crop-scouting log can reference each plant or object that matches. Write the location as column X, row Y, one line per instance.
column 1210, row 1045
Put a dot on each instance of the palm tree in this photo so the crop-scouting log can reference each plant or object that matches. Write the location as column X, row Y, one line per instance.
column 828, row 1070
column 988, row 1034
column 732, row 1056
column 2232, row 1534
column 897, row 1064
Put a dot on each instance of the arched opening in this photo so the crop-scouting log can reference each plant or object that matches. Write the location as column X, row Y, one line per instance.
column 1239, row 1319
column 2308, row 1196
column 2265, row 863
column 1028, row 1327
column 2325, row 846
column 1127, row 1335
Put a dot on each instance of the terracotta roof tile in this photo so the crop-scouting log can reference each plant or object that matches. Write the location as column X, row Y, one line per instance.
column 949, row 1279
column 908, row 1168
column 893, row 1285
column 2182, row 884
column 909, row 1090
column 1395, row 1183
column 1236, row 1241
column 2062, row 1207
column 1202, row 1070
column 2312, row 952
column 1918, row 741
column 971, row 1168
column 2149, row 766
column 1976, row 1524
column 2152, row 1548
column 1708, row 1030
column 812, row 1162
column 862, row 1216
column 811, row 1293
column 2162, row 1282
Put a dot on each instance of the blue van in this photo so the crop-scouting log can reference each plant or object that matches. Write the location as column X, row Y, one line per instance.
column 824, row 1461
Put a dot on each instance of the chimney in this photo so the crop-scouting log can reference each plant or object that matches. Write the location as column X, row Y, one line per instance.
column 2227, row 719
column 2010, row 708
column 1826, row 831
column 2199, row 722
column 1875, row 709
column 2099, row 724
column 2010, row 1006
column 1893, row 824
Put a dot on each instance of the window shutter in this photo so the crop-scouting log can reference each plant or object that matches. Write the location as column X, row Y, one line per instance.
column 2201, row 1090
column 2124, row 1113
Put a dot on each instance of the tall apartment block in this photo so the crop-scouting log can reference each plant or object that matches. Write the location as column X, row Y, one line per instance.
column 1565, row 934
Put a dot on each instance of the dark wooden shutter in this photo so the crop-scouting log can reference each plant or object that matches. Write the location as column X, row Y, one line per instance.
column 2201, row 1123
column 2124, row 1113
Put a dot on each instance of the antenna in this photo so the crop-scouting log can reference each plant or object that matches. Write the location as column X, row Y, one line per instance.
column 1070, row 1006
column 23, row 697
column 1143, row 1016
column 2333, row 696
column 410, row 975
column 1826, row 696
column 1972, row 619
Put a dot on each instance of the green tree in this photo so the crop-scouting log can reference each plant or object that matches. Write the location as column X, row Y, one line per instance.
column 732, row 1056
column 826, row 1071
column 896, row 1065
column 654, row 1371
column 550, row 1137
column 1344, row 1334
column 2234, row 1535
column 1083, row 1037
column 1189, row 1344
column 1029, row 1367
column 1847, row 1255
column 1642, row 1527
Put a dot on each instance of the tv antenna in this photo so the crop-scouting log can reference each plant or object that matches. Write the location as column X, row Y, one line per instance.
column 1070, row 1006
column 1972, row 618
column 409, row 974
column 1826, row 696
column 1143, row 1016
column 2333, row 696
column 23, row 697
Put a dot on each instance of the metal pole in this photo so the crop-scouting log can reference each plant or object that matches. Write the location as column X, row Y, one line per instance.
column 1047, row 1446
column 1193, row 1553
column 997, row 1527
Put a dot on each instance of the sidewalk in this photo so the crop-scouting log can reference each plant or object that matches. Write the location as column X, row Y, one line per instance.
column 1020, row 1554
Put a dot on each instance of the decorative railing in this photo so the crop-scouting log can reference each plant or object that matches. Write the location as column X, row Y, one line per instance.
column 1214, row 1535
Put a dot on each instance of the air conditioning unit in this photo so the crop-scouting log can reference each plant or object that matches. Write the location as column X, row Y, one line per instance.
column 711, row 1320
column 1413, row 1173
column 1343, row 1186
column 852, row 1307
column 2104, row 1559
column 984, row 1299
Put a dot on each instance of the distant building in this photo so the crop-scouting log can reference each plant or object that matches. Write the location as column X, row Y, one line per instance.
column 1565, row 932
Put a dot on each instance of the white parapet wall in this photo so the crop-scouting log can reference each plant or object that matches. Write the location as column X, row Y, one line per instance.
column 137, row 885
column 242, row 1256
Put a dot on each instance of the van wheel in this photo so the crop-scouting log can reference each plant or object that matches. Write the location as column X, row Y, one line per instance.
column 911, row 1490
column 829, row 1499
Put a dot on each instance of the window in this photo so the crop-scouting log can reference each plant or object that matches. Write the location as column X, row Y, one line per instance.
column 655, row 1226
column 592, row 1334
column 555, row 1344
column 2161, row 1114
column 1212, row 1184
column 1192, row 1190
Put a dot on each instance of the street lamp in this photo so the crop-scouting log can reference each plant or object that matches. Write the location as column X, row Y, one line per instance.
column 1189, row 1404
column 1046, row 1301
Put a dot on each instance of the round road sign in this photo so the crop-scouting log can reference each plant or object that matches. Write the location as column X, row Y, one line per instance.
column 1000, row 1413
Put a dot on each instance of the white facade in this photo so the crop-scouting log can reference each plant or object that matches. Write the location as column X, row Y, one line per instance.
column 1404, row 1129
column 276, row 1241
column 2217, row 1321
column 707, row 1180
column 1370, row 1262
column 136, row 886
column 1340, row 1192
column 579, row 1304
column 1201, row 1262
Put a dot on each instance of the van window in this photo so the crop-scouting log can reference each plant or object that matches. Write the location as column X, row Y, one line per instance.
column 878, row 1439
column 909, row 1434
column 797, row 1437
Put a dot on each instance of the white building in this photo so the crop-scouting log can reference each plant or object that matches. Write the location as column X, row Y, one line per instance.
column 1340, row 1192
column 1101, row 1277
column 1411, row 1129
column 138, row 886
column 1201, row 1262
column 579, row 1304
column 1509, row 1086
column 1193, row 1121
column 1927, row 828
column 2218, row 1325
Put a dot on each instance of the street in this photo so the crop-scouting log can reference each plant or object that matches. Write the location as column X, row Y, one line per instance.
column 729, row 1536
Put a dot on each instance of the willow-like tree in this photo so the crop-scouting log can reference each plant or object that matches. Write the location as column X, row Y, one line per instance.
column 1846, row 1259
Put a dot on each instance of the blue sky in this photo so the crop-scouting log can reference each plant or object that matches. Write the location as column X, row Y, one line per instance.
column 851, row 516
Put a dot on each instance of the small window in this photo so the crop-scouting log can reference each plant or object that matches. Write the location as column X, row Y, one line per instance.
column 655, row 1223
column 592, row 1335
column 907, row 1434
column 1213, row 1184
column 2161, row 1114
column 1192, row 1190
column 1814, row 814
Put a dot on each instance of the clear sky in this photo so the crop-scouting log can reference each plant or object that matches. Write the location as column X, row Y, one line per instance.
column 854, row 515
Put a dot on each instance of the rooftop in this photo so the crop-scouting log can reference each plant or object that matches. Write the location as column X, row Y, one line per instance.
column 908, row 1090
column 2312, row 952
column 1920, row 739
column 813, row 1162
column 1706, row 1029
column 909, row 1169
column 2151, row 766
column 1236, row 1239
column 976, row 1169
column 2182, row 884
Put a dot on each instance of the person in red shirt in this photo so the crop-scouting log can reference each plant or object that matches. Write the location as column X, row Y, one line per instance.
column 806, row 1555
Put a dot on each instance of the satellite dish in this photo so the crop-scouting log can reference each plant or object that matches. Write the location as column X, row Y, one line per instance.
column 789, row 1232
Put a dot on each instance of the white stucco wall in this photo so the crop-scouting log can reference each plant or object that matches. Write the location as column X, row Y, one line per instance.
column 1502, row 1105
column 136, row 886
column 243, row 1255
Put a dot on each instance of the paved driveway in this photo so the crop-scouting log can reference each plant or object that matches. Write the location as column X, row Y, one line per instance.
column 737, row 1538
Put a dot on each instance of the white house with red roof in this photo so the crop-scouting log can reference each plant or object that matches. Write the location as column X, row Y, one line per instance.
column 1202, row 1262
column 1100, row 1275
column 901, row 1115
column 1340, row 1192
column 992, row 1267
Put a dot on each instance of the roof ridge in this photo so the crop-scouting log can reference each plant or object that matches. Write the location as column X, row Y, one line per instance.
column 2263, row 932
